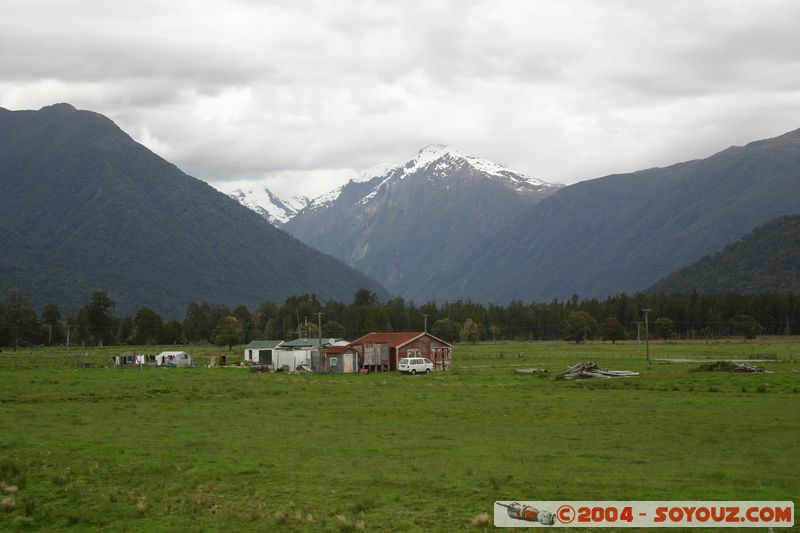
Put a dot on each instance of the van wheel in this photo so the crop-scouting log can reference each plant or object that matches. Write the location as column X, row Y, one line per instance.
column 413, row 371
column 427, row 370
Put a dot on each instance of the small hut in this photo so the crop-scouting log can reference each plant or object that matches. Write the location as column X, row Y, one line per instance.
column 337, row 360
column 260, row 352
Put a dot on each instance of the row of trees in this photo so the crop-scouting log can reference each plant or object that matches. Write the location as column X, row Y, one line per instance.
column 688, row 315
column 579, row 326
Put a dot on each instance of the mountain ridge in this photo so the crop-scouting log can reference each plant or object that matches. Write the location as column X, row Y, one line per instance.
column 765, row 259
column 88, row 198
column 623, row 232
column 411, row 220
column 276, row 210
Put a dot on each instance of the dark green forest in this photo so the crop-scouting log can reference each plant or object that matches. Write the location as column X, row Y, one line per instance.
column 676, row 315
column 83, row 203
column 767, row 258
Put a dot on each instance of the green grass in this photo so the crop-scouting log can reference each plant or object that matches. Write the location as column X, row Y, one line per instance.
column 106, row 448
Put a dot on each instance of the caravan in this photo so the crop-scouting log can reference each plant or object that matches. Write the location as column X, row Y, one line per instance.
column 174, row 359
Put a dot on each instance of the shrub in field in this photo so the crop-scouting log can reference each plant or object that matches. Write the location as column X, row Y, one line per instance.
column 22, row 521
column 481, row 520
column 8, row 503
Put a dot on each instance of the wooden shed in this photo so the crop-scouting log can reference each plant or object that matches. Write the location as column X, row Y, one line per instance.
column 338, row 360
column 382, row 351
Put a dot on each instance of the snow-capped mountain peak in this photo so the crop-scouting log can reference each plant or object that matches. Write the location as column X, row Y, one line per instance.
column 378, row 170
column 426, row 155
column 401, row 223
column 434, row 162
column 264, row 202
column 448, row 162
column 435, row 152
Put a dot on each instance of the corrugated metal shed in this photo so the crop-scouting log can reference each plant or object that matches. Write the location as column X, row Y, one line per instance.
column 261, row 351
column 308, row 342
column 263, row 345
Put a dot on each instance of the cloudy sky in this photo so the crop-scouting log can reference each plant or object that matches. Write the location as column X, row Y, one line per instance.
column 301, row 95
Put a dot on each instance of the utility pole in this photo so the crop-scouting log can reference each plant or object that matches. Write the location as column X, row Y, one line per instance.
column 426, row 322
column 319, row 328
column 319, row 332
column 647, row 334
column 639, row 337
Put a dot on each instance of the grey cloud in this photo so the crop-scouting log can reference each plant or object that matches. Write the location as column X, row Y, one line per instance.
column 562, row 90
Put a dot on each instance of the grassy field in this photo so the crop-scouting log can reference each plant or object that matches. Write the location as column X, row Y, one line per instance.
column 124, row 449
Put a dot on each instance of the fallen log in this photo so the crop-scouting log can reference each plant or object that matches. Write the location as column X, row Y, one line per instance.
column 530, row 371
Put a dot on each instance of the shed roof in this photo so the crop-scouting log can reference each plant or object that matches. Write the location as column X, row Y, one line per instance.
column 335, row 350
column 263, row 345
column 394, row 339
column 308, row 341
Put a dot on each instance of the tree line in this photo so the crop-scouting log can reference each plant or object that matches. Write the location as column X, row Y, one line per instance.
column 678, row 315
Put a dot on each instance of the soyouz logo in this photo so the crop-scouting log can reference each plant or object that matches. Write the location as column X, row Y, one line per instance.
column 619, row 514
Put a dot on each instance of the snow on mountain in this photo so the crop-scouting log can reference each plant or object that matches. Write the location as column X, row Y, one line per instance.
column 264, row 202
column 447, row 160
column 378, row 170
column 402, row 224
column 325, row 199
column 436, row 161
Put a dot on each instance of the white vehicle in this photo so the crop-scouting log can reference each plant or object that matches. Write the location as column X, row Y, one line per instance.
column 415, row 364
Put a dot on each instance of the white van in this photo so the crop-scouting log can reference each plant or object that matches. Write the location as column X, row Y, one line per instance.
column 415, row 364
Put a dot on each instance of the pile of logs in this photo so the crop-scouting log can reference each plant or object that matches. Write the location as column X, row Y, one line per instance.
column 591, row 370
column 729, row 366
column 746, row 367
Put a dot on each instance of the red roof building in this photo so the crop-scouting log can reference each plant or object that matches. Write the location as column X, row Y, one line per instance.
column 338, row 360
column 382, row 351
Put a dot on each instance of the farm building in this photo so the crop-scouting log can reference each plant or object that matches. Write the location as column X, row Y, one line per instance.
column 260, row 352
column 312, row 342
column 298, row 352
column 173, row 359
column 335, row 360
column 382, row 351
